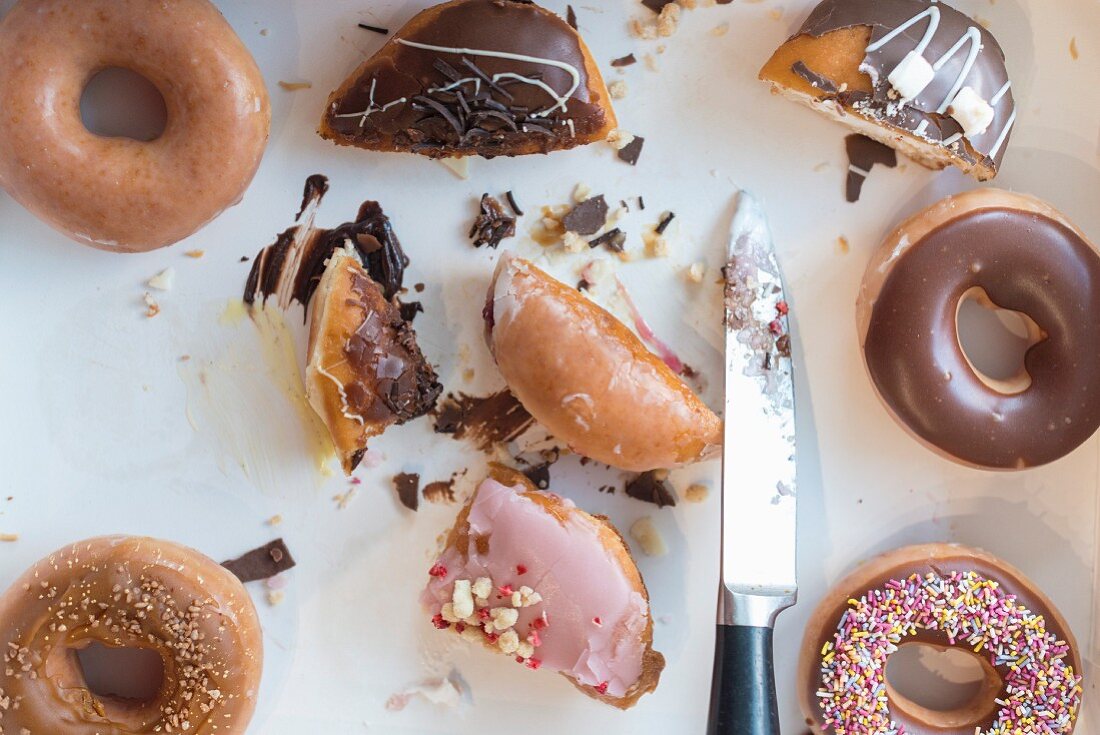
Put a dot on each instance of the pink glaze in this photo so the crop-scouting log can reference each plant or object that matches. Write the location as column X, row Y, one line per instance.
column 579, row 580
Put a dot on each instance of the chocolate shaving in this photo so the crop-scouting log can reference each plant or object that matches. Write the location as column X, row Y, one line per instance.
column 641, row 203
column 571, row 17
column 492, row 225
column 816, row 80
column 863, row 154
column 262, row 563
column 376, row 29
column 628, row 60
column 613, row 240
column 588, row 217
column 407, row 485
column 487, row 420
column 512, row 203
column 487, row 79
column 665, row 223
column 632, row 152
column 652, row 487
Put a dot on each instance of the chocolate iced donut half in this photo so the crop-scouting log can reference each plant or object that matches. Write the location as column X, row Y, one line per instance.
column 917, row 75
column 1009, row 251
column 530, row 575
column 474, row 77
column 943, row 596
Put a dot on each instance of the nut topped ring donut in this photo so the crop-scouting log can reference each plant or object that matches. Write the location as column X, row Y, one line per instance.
column 116, row 193
column 1007, row 251
column 129, row 592
column 944, row 596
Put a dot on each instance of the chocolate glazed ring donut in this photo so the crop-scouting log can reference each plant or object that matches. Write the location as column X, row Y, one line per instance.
column 116, row 193
column 1006, row 250
column 943, row 596
column 129, row 592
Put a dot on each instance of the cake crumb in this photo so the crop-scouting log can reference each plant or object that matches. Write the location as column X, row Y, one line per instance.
column 650, row 62
column 643, row 30
column 696, row 493
column 776, row 13
column 196, row 254
column 1073, row 49
column 617, row 89
column 581, row 192
column 275, row 520
column 669, row 20
column 574, row 243
column 295, row 86
column 619, row 139
column 696, row 272
column 9, row 537
column 152, row 308
column 275, row 597
column 842, row 245
column 720, row 30
column 648, row 537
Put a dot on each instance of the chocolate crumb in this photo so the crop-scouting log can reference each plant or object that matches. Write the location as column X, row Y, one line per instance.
column 588, row 217
column 262, row 563
column 863, row 154
column 441, row 491
column 622, row 61
column 407, row 485
column 512, row 203
column 571, row 17
column 376, row 29
column 632, row 152
column 410, row 310
column 614, row 240
column 539, row 475
column 492, row 224
column 665, row 223
column 609, row 489
column 641, row 202
column 244, row 259
column 583, row 285
column 652, row 487
column 419, row 288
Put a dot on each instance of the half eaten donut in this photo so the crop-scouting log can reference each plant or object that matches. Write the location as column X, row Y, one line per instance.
column 474, row 77
column 917, row 75
column 530, row 575
column 588, row 379
column 365, row 370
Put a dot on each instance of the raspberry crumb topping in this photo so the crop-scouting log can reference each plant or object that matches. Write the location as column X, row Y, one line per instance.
column 534, row 664
column 521, row 570
column 601, row 688
column 438, row 570
column 439, row 622
column 597, row 622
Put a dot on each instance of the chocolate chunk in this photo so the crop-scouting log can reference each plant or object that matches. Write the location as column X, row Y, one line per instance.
column 622, row 61
column 492, row 224
column 376, row 29
column 631, row 153
column 613, row 240
column 863, row 154
column 588, row 217
column 262, row 563
column 816, row 80
column 657, row 5
column 487, row 420
column 652, row 487
column 539, row 475
column 410, row 310
column 407, row 485
column 571, row 17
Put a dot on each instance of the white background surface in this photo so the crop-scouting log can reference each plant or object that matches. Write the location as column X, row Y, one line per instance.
column 104, row 429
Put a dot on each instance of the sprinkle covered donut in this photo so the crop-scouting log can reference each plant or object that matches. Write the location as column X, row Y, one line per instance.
column 945, row 596
column 128, row 592
column 1003, row 250
column 116, row 193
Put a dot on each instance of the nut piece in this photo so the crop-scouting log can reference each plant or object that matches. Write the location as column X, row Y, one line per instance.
column 648, row 537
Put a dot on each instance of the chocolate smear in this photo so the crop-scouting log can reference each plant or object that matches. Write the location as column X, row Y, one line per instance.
column 571, row 17
column 622, row 61
column 407, row 485
column 632, row 152
column 614, row 240
column 441, row 491
column 486, row 420
column 863, row 154
column 376, row 29
column 652, row 487
column 588, row 217
column 492, row 225
column 262, row 563
column 816, row 80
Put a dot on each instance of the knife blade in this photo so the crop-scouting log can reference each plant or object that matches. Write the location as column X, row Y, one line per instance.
column 758, row 569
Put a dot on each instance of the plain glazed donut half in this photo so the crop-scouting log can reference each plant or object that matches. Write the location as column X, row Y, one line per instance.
column 588, row 379
column 530, row 575
column 1008, row 251
column 943, row 596
column 129, row 592
column 120, row 194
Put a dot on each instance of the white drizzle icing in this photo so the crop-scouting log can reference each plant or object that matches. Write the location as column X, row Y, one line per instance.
column 561, row 100
column 1004, row 134
column 345, row 406
column 1000, row 93
column 372, row 107
column 933, row 15
column 975, row 38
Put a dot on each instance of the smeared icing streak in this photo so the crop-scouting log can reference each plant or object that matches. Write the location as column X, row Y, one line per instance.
column 561, row 100
column 1042, row 692
column 372, row 106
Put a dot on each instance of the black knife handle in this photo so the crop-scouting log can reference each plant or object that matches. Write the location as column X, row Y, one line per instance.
column 742, row 699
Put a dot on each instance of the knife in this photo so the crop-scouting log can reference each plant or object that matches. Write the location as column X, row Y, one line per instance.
column 758, row 481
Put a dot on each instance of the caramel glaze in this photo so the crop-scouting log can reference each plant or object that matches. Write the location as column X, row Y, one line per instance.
column 128, row 592
column 1025, row 262
column 404, row 72
column 900, row 564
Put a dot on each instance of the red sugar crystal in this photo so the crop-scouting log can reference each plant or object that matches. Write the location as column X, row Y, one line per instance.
column 492, row 637
column 438, row 570
column 775, row 327
column 597, row 621
column 533, row 638
column 534, row 663
column 459, row 627
column 539, row 623
column 506, row 589
column 601, row 688
column 483, row 614
column 439, row 622
column 782, row 307
column 520, row 569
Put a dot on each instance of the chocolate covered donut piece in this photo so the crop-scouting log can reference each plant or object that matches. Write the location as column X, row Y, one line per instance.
column 917, row 74
column 474, row 77
column 1023, row 256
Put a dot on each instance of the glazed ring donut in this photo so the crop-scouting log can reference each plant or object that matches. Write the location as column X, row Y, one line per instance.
column 1004, row 249
column 117, row 193
column 129, row 592
column 944, row 596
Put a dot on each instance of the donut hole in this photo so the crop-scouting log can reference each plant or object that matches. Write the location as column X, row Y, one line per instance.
column 995, row 341
column 120, row 103
column 133, row 675
column 948, row 687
